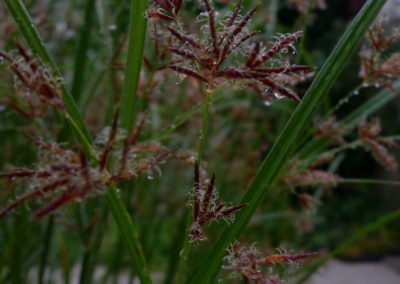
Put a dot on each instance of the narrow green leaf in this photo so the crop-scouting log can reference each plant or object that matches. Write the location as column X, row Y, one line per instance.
column 279, row 153
column 137, row 36
column 82, row 49
column 128, row 233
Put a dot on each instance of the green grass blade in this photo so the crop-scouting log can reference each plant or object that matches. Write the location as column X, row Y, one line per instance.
column 81, row 53
column 137, row 36
column 32, row 37
column 280, row 151
column 129, row 235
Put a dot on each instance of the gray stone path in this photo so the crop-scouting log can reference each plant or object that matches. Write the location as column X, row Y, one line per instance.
column 340, row 272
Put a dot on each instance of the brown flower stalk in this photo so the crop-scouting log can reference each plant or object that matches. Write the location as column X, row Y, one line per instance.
column 205, row 207
column 265, row 67
column 368, row 133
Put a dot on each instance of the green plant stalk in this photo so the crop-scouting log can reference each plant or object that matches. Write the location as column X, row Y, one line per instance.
column 129, row 235
column 204, row 128
column 176, row 248
column 304, row 23
column 369, row 181
column 187, row 245
column 185, row 252
column 275, row 161
column 136, row 40
column 92, row 246
column 83, row 47
column 46, row 249
column 73, row 116
column 347, row 243
column 185, row 116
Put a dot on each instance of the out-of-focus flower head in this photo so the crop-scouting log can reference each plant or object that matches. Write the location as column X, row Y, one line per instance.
column 379, row 68
column 248, row 262
column 369, row 134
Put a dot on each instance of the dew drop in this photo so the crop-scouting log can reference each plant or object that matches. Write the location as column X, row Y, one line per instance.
column 278, row 96
column 267, row 103
column 356, row 92
column 377, row 85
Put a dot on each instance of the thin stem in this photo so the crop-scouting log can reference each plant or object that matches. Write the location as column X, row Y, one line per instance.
column 344, row 100
column 305, row 21
column 187, row 245
column 128, row 233
column 83, row 46
column 46, row 249
column 369, row 181
column 184, row 253
column 204, row 128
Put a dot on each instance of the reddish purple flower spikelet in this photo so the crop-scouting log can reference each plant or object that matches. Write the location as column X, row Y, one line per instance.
column 203, row 59
column 63, row 176
column 36, row 88
column 205, row 209
column 377, row 67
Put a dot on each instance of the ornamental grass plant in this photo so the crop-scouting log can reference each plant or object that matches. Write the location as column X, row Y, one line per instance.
column 202, row 141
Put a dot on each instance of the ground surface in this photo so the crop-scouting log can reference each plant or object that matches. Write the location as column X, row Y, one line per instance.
column 339, row 272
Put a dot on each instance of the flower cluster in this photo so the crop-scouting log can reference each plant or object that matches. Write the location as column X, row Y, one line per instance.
column 368, row 133
column 62, row 176
column 247, row 261
column 264, row 68
column 36, row 88
column 205, row 207
column 332, row 129
column 165, row 9
column 376, row 67
column 297, row 176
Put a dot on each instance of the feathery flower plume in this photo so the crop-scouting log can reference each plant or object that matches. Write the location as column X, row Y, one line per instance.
column 205, row 208
column 36, row 89
column 368, row 133
column 330, row 128
column 377, row 68
column 62, row 176
column 265, row 67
